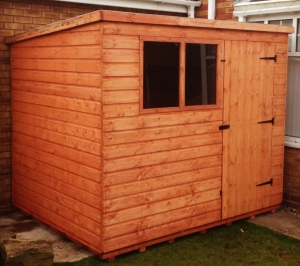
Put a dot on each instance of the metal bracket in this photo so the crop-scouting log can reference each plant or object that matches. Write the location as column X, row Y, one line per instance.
column 224, row 127
column 270, row 58
column 271, row 121
column 266, row 183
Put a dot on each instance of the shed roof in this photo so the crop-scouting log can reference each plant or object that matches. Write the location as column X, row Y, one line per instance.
column 145, row 19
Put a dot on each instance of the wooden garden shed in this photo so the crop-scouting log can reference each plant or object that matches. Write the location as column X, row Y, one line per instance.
column 131, row 129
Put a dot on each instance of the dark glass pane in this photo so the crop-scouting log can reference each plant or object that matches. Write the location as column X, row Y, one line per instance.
column 161, row 74
column 200, row 74
column 298, row 36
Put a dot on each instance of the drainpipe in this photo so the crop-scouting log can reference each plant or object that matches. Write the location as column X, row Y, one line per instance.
column 211, row 12
column 182, row 6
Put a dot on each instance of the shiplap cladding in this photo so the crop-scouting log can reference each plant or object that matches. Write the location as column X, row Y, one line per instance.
column 56, row 127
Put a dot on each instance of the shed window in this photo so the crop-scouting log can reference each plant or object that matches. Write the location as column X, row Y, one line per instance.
column 161, row 74
column 200, row 74
column 162, row 82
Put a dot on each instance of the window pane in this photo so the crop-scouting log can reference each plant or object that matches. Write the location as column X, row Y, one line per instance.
column 298, row 36
column 200, row 74
column 161, row 74
column 293, row 98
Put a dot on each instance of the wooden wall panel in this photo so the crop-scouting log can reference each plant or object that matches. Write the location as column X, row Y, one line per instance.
column 155, row 166
column 57, row 131
column 279, row 101
column 135, row 29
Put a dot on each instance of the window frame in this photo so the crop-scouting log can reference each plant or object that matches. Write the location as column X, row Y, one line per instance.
column 182, row 51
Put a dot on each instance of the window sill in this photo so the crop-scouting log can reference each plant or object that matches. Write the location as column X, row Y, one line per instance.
column 293, row 142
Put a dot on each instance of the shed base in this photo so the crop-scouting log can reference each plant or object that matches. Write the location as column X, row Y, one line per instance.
column 110, row 256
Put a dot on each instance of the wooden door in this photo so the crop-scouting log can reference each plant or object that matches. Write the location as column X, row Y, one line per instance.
column 248, row 93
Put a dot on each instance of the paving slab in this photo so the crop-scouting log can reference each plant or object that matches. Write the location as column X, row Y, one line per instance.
column 282, row 222
column 24, row 227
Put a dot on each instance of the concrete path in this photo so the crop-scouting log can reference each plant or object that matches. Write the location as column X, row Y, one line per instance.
column 282, row 222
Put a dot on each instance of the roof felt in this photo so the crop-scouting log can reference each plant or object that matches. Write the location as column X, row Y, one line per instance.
column 144, row 19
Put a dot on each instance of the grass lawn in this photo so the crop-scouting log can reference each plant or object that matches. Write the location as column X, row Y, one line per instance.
column 243, row 243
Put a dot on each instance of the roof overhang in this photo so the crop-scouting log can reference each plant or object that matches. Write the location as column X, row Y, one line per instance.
column 246, row 9
column 134, row 18
column 179, row 6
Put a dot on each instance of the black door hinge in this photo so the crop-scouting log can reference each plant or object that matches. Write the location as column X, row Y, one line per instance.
column 221, row 193
column 271, row 121
column 270, row 58
column 224, row 127
column 266, row 183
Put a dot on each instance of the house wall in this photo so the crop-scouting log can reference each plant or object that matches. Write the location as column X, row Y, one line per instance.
column 224, row 10
column 56, row 119
column 18, row 16
column 291, row 196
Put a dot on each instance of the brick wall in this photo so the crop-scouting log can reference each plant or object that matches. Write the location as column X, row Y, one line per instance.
column 224, row 10
column 291, row 189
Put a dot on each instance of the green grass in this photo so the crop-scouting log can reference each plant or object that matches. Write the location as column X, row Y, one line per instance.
column 253, row 245
column 256, row 245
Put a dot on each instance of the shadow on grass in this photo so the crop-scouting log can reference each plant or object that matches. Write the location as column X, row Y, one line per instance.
column 243, row 243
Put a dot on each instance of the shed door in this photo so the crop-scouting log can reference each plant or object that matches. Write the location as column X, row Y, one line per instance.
column 248, row 93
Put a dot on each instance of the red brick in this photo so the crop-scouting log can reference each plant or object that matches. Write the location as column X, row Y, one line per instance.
column 13, row 12
column 224, row 4
column 291, row 204
column 6, row 32
column 28, row 27
column 4, row 18
column 3, row 161
column 5, row 168
column 5, row 81
column 21, row 6
column 20, row 31
column 40, row 7
column 33, row 1
column 67, row 15
column 41, row 21
column 4, row 148
column 5, row 4
column 58, row 9
column 86, row 10
column 75, row 10
column 67, row 4
column 50, row 15
column 23, row 19
column 32, row 13
column 295, row 199
column 50, row 2
column 14, row 26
